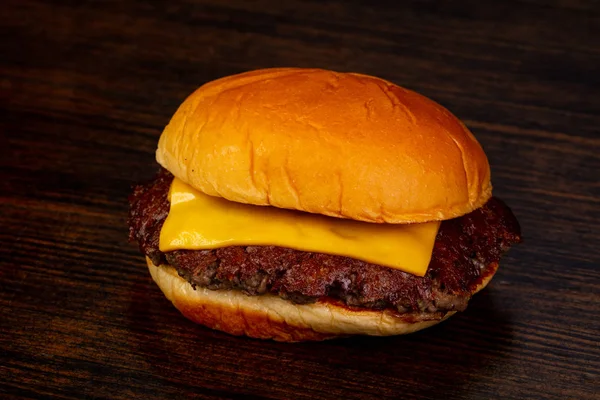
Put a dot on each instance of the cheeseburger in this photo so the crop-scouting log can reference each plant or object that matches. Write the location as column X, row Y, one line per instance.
column 303, row 204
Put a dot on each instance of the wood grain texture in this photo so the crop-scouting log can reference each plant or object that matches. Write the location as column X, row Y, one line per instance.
column 85, row 90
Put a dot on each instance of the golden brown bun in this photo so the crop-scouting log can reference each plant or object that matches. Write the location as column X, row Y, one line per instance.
column 270, row 317
column 339, row 144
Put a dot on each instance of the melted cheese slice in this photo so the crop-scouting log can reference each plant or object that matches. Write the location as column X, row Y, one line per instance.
column 197, row 221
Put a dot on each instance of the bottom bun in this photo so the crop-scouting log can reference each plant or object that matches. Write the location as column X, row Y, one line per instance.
column 271, row 317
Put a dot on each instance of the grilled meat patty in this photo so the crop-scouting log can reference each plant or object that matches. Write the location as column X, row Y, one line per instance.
column 466, row 251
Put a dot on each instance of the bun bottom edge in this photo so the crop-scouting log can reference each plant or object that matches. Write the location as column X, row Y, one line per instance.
column 271, row 317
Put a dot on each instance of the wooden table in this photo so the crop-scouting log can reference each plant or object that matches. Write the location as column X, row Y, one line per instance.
column 85, row 90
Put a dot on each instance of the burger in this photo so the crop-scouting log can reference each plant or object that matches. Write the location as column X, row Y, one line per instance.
column 303, row 204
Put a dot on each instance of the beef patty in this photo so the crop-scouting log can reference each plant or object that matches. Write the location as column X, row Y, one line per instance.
column 466, row 250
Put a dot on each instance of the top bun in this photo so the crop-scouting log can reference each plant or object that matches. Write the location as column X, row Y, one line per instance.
column 339, row 144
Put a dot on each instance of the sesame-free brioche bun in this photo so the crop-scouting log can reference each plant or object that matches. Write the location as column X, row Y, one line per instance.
column 339, row 144
column 271, row 317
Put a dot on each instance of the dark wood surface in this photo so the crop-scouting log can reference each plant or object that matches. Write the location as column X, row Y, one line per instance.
column 85, row 90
